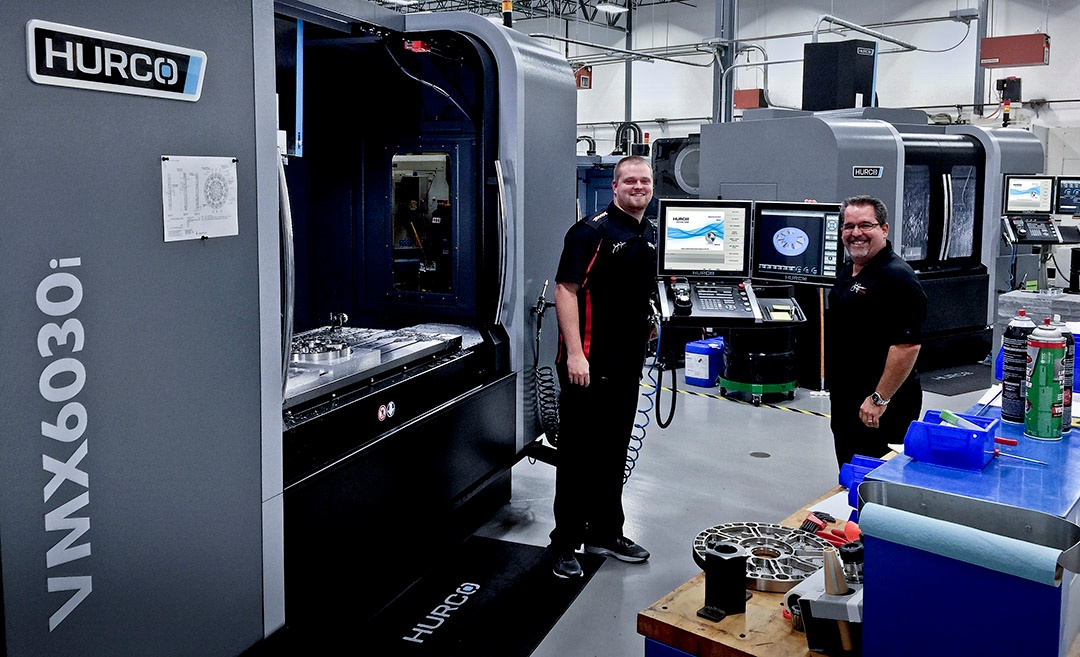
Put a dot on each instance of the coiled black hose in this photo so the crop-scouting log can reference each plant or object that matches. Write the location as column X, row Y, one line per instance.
column 547, row 394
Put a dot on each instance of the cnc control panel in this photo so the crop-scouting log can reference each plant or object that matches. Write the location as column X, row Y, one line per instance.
column 716, row 303
column 1031, row 229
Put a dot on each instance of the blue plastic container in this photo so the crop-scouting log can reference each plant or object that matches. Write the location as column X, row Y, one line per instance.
column 704, row 362
column 853, row 473
column 950, row 446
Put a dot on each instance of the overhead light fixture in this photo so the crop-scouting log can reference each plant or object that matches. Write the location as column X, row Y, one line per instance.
column 611, row 8
column 400, row 2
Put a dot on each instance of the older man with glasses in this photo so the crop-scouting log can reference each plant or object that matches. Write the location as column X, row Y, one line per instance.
column 873, row 325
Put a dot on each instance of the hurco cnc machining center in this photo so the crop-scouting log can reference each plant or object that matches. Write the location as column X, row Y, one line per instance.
column 941, row 184
column 238, row 384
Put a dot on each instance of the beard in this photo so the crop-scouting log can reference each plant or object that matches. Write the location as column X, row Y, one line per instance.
column 858, row 250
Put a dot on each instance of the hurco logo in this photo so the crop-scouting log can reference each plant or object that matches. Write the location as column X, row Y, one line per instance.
column 67, row 56
column 867, row 172
column 441, row 612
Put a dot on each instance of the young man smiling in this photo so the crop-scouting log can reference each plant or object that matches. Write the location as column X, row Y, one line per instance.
column 606, row 276
column 873, row 329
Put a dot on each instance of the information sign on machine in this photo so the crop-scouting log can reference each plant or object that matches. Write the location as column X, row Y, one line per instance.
column 198, row 197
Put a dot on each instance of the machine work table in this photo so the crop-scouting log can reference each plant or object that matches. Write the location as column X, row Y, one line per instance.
column 672, row 621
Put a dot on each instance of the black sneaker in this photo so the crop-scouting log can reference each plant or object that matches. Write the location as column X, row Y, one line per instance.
column 621, row 548
column 567, row 566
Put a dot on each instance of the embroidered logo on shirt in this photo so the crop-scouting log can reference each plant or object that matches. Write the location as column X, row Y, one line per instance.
column 858, row 288
column 617, row 247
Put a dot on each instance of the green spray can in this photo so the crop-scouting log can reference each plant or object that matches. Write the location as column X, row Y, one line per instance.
column 1045, row 383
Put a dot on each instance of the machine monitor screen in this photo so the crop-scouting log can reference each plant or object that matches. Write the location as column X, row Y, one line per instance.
column 704, row 238
column 797, row 242
column 1029, row 194
column 1068, row 196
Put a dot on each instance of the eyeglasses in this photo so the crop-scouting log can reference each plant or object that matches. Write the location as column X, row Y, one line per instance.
column 864, row 226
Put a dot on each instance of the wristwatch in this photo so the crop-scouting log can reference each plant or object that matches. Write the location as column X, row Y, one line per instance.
column 877, row 399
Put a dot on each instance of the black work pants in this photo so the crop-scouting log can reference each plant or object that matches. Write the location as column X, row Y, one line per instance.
column 851, row 436
column 595, row 424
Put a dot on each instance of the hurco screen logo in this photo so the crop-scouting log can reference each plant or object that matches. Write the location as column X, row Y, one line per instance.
column 67, row 56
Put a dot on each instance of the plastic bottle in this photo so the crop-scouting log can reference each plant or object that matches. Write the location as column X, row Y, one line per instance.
column 1046, row 355
column 1014, row 366
column 1068, row 364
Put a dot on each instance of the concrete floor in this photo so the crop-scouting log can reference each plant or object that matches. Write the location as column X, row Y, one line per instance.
column 719, row 461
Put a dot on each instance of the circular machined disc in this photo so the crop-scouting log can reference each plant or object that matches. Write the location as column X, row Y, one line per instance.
column 778, row 557
column 319, row 349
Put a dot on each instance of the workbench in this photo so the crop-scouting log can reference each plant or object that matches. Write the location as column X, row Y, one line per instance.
column 672, row 628
column 898, row 577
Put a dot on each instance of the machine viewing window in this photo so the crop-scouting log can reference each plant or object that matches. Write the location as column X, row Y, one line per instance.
column 1068, row 196
column 797, row 242
column 422, row 219
column 704, row 238
column 1029, row 194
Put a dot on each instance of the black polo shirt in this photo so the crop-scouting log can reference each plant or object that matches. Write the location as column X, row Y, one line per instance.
column 866, row 314
column 612, row 256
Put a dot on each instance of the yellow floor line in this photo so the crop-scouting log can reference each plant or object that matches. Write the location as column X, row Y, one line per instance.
column 762, row 404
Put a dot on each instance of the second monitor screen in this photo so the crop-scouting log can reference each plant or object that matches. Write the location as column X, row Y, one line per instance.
column 798, row 242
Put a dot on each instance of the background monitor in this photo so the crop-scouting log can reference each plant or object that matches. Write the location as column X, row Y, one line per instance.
column 700, row 237
column 797, row 242
column 1029, row 194
column 1068, row 195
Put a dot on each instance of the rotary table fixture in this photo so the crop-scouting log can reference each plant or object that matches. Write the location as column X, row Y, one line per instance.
column 778, row 557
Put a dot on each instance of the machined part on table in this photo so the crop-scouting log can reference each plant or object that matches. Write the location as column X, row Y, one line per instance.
column 778, row 557
column 319, row 348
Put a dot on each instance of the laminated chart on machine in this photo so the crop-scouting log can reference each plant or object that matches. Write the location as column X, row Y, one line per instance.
column 198, row 197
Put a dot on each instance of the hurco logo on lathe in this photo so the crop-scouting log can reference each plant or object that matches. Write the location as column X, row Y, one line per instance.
column 67, row 56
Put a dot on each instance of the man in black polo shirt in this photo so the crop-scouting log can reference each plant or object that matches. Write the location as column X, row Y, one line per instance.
column 606, row 275
column 873, row 328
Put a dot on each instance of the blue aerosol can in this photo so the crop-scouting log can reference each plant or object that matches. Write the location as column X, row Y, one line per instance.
column 1014, row 366
column 1046, row 376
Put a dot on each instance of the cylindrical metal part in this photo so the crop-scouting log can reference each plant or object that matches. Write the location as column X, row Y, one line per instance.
column 725, row 578
column 852, row 556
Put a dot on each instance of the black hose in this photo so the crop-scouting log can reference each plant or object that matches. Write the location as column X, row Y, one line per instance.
column 664, row 424
column 547, row 394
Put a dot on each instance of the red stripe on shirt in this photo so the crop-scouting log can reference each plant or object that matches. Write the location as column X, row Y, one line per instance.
column 586, row 339
column 591, row 263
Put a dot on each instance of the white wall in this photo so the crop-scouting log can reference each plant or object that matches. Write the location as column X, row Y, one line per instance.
column 908, row 79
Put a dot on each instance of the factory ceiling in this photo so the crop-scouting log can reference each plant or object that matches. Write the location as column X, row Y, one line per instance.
column 609, row 12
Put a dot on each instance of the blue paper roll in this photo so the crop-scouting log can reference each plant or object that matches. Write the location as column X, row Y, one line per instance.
column 999, row 553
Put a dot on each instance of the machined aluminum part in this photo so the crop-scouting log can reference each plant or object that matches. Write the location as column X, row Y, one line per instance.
column 778, row 557
column 319, row 348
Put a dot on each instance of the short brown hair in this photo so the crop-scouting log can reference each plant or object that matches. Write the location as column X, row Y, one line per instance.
column 631, row 159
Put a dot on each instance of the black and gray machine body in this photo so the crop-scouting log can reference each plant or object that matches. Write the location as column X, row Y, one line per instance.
column 411, row 217
column 676, row 166
column 942, row 185
column 141, row 512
